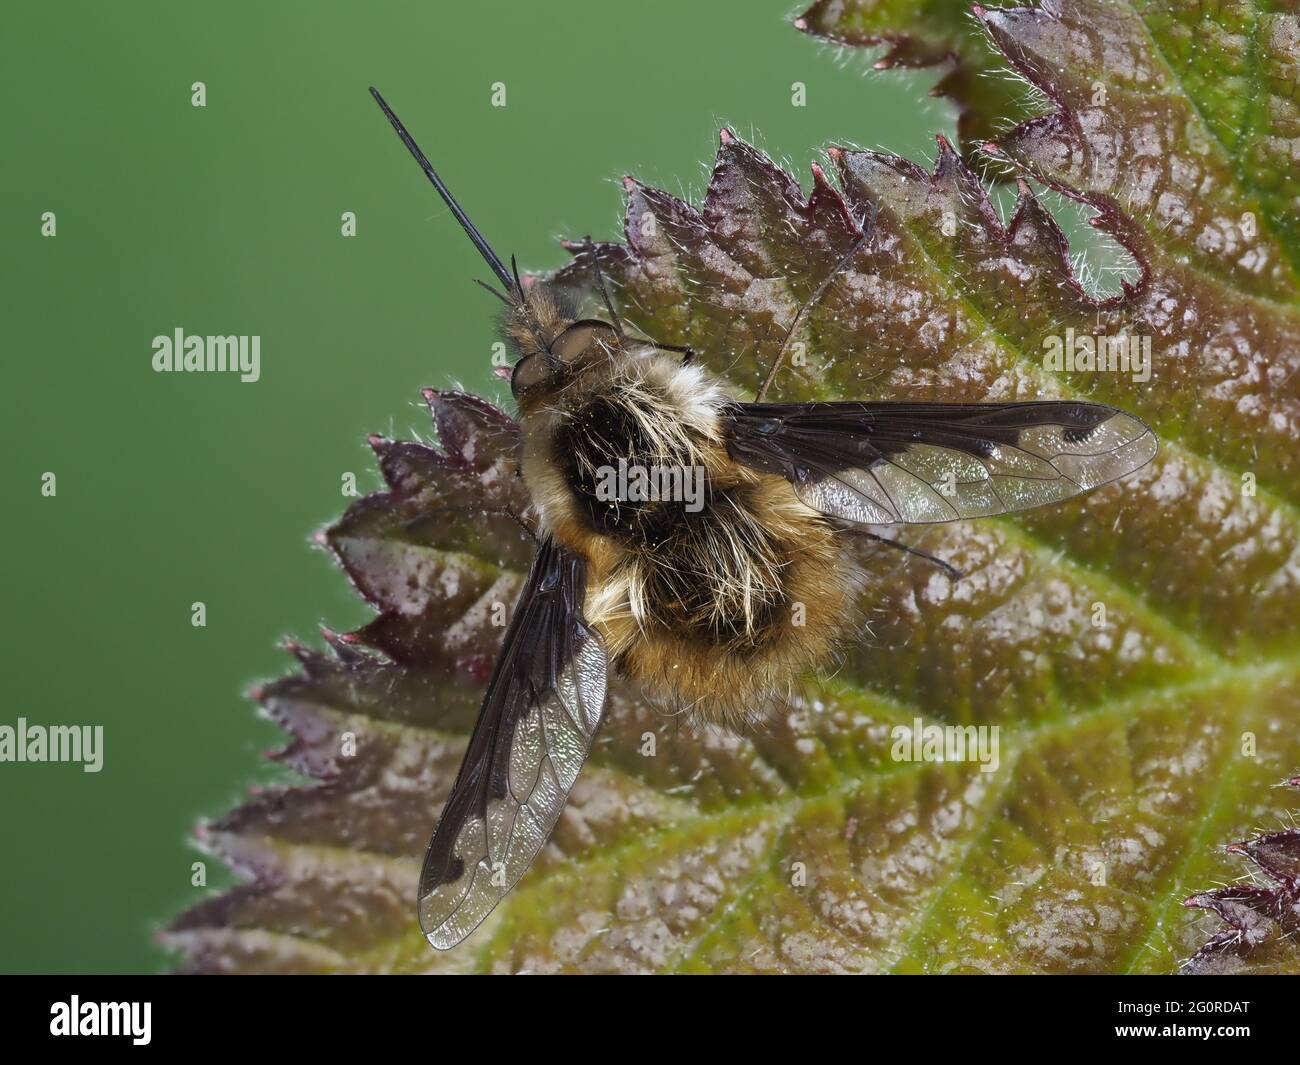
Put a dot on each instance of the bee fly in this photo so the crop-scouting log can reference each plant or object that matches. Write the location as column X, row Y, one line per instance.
column 697, row 604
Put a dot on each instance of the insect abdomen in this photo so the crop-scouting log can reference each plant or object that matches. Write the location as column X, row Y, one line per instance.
column 717, row 576
column 738, row 602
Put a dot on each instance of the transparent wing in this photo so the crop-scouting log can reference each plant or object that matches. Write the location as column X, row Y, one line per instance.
column 533, row 733
column 919, row 463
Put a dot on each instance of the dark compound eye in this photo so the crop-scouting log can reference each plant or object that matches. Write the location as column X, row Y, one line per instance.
column 579, row 337
column 532, row 370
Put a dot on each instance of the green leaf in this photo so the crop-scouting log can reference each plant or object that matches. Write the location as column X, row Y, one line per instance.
column 931, row 33
column 1185, row 116
column 1131, row 750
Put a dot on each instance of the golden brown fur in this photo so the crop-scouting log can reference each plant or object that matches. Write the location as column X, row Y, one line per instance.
column 719, row 611
column 537, row 322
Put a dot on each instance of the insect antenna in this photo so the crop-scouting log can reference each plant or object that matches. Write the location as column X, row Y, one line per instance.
column 496, row 292
column 471, row 230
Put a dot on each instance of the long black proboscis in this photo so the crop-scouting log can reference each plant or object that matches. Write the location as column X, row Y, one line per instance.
column 471, row 230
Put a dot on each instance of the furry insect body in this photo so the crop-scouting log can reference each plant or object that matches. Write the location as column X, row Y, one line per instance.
column 715, row 600
column 715, row 609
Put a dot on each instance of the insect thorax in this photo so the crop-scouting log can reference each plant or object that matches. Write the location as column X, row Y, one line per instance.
column 643, row 470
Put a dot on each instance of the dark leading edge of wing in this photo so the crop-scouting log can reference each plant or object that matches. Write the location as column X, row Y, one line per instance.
column 919, row 463
column 533, row 733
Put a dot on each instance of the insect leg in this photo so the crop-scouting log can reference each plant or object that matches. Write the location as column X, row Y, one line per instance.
column 684, row 350
column 947, row 567
column 687, row 353
column 867, row 230
column 615, row 320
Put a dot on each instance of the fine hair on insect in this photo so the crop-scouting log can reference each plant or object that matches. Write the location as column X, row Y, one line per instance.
column 699, row 544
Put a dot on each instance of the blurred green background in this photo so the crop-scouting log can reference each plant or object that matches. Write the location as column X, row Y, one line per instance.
column 225, row 219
